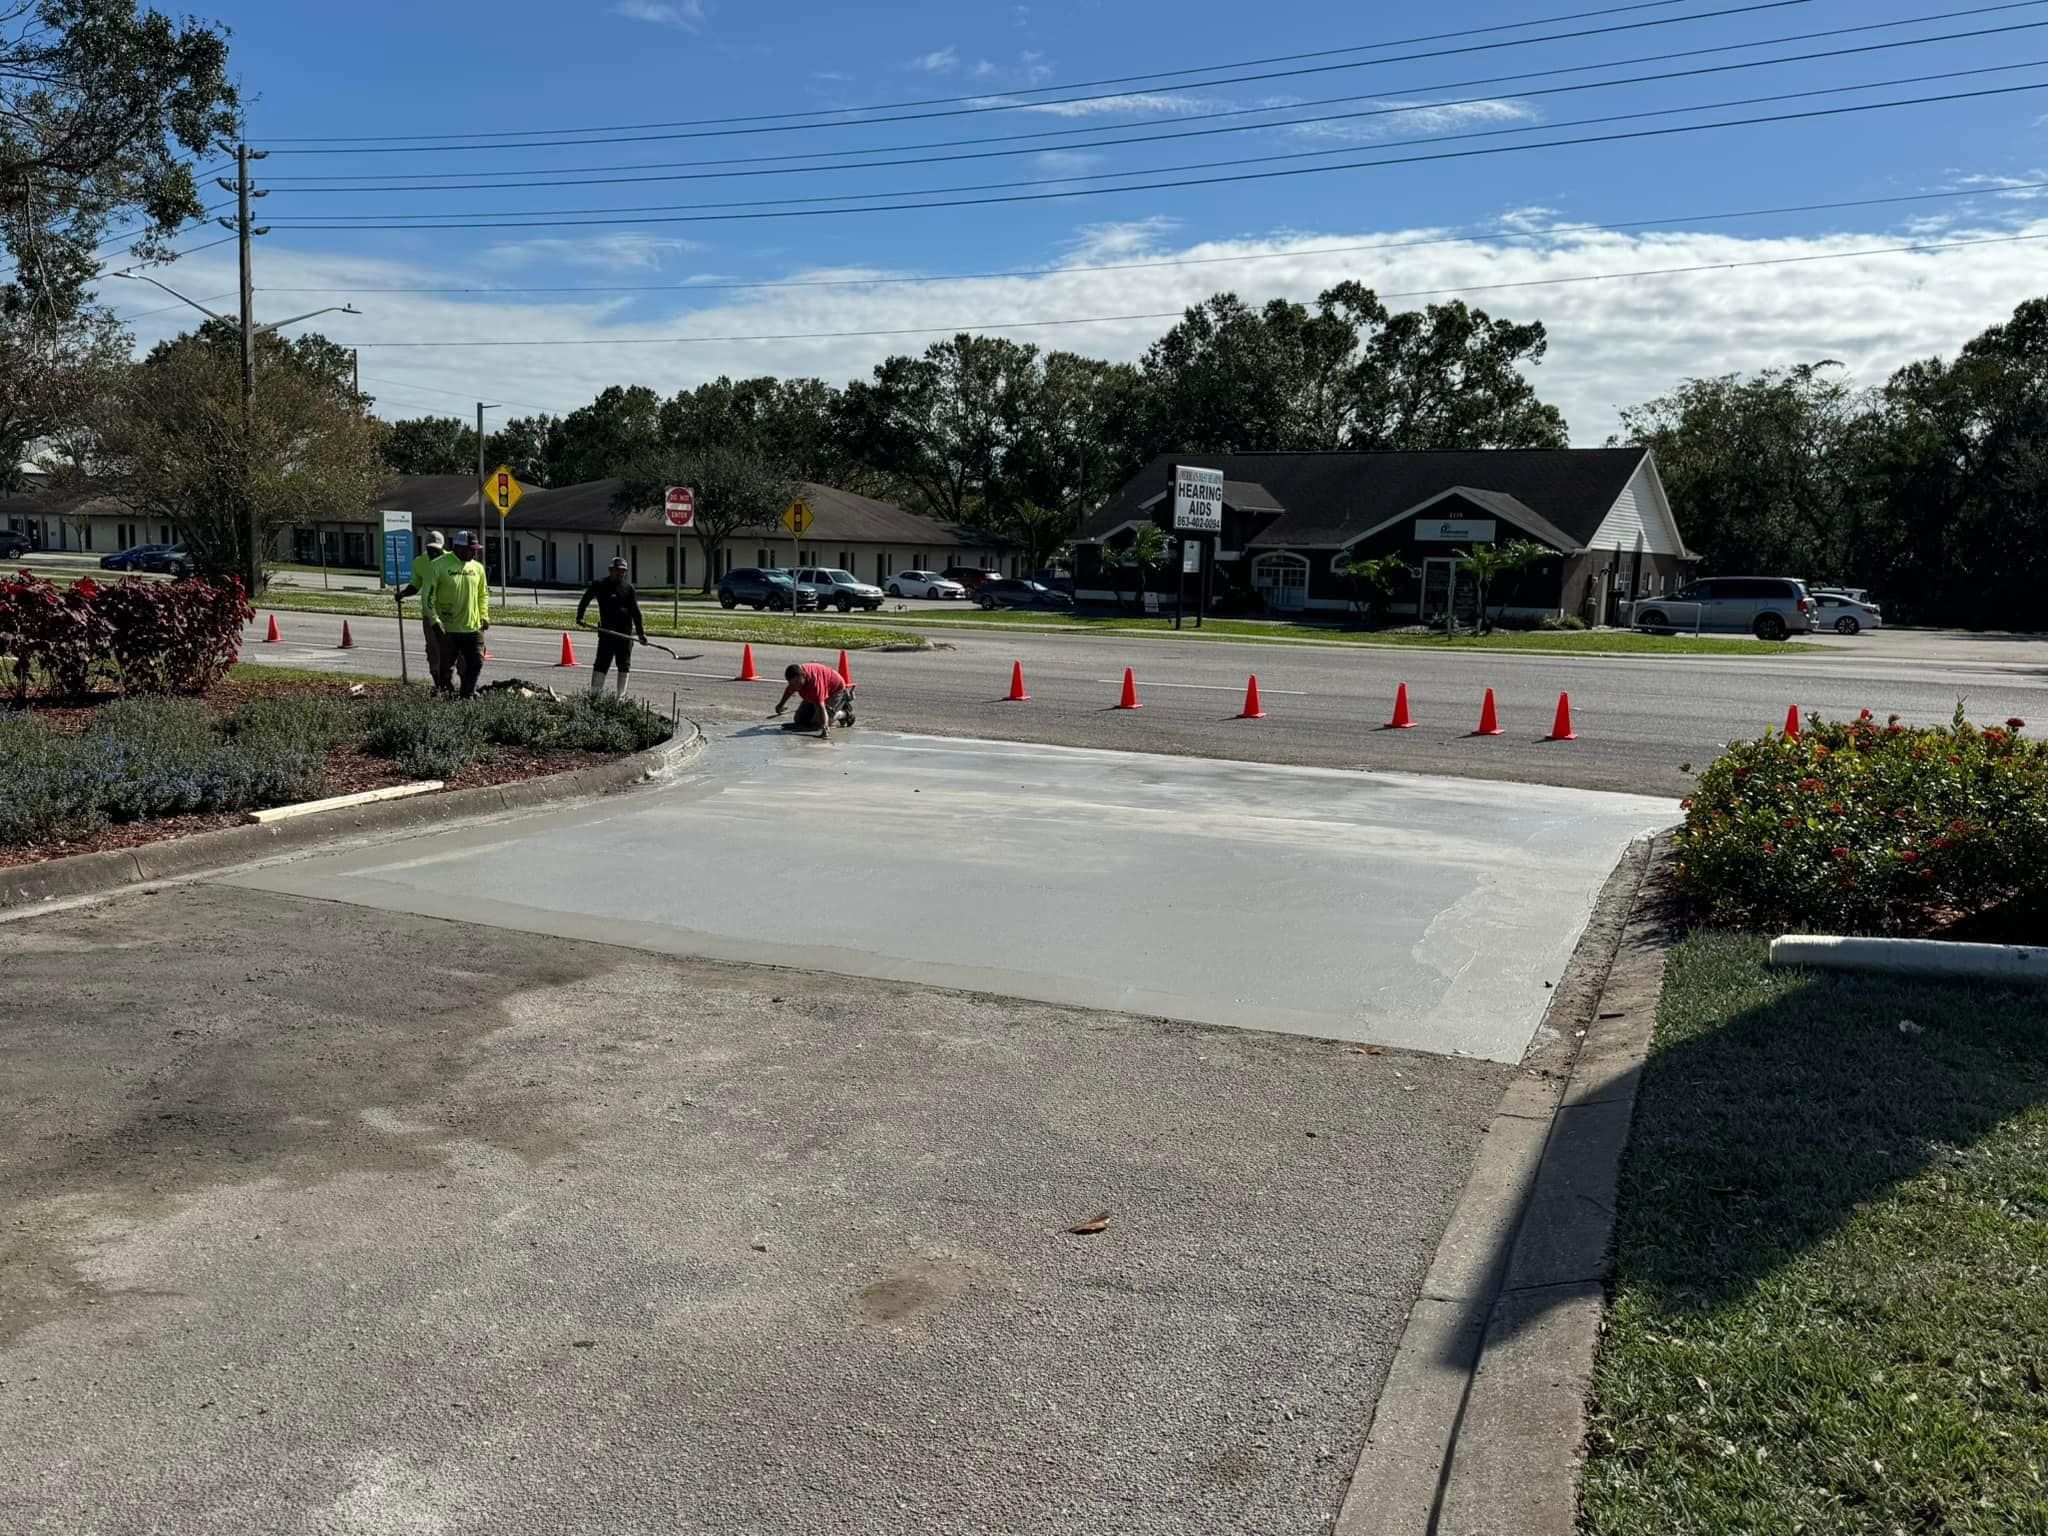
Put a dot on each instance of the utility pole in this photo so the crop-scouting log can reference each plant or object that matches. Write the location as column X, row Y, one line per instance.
column 245, row 193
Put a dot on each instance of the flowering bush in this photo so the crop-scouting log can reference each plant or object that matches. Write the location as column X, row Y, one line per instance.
column 1862, row 827
column 154, row 636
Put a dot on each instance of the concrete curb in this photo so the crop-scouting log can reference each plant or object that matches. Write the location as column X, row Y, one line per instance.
column 1478, row 1429
column 1913, row 957
column 94, row 874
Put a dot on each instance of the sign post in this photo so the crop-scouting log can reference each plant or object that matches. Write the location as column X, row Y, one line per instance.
column 502, row 491
column 1197, row 508
column 680, row 507
column 797, row 519
column 397, row 571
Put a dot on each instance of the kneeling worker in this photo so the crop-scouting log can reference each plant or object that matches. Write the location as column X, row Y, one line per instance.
column 618, row 621
column 460, row 602
column 827, row 698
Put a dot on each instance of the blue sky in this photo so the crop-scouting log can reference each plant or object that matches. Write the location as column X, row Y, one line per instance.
column 535, row 67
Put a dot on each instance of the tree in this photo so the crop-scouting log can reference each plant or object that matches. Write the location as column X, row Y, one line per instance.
column 50, row 373
column 1493, row 565
column 1145, row 554
column 430, row 445
column 527, row 445
column 172, row 442
column 1374, row 581
column 1768, row 470
column 1347, row 374
column 617, row 429
column 97, row 102
column 738, row 492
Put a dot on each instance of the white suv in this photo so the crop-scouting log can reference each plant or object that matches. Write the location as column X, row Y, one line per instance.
column 841, row 589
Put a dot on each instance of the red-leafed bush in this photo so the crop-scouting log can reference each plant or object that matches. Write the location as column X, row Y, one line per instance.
column 56, row 634
column 174, row 636
column 1856, row 826
column 151, row 636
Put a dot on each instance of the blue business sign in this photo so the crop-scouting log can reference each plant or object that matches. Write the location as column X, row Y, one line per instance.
column 397, row 548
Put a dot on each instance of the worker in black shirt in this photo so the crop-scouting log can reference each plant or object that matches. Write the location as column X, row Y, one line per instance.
column 618, row 615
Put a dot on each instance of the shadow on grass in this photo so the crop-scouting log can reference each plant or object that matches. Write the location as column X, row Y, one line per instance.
column 1774, row 1106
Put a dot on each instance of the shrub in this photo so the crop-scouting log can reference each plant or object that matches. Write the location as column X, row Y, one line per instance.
column 1858, row 826
column 49, row 787
column 158, row 637
column 1561, row 621
column 312, row 721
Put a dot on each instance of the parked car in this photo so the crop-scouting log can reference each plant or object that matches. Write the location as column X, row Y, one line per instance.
column 1059, row 581
column 924, row 584
column 1769, row 607
column 763, row 587
column 13, row 545
column 163, row 559
column 842, row 589
column 1015, row 592
column 1844, row 614
column 970, row 578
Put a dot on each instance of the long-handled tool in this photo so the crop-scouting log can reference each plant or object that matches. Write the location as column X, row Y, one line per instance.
column 636, row 640
column 403, row 677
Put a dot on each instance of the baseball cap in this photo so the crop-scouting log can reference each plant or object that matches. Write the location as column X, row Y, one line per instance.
column 619, row 565
column 462, row 538
column 435, row 541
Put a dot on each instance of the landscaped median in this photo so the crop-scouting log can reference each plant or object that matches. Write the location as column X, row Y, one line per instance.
column 1829, row 1306
column 89, row 773
column 766, row 629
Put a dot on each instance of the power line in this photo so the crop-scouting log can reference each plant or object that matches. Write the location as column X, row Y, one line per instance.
column 1175, row 314
column 1009, row 105
column 190, row 250
column 204, row 213
column 1073, row 185
column 211, row 298
column 458, row 394
column 1495, row 230
column 1032, row 90
column 594, row 175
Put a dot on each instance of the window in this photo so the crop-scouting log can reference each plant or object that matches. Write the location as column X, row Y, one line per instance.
column 761, row 559
column 633, row 555
column 846, row 558
column 881, row 568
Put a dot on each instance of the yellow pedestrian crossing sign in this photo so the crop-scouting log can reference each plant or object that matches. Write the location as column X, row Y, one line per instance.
column 502, row 491
column 798, row 518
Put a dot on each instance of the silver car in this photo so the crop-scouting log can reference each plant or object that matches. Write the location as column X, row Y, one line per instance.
column 841, row 589
column 1769, row 607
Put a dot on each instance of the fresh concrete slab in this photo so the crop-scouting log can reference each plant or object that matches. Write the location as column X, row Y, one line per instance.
column 324, row 1219
column 1427, row 913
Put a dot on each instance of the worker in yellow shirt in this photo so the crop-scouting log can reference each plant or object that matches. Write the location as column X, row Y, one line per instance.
column 429, row 562
column 458, row 604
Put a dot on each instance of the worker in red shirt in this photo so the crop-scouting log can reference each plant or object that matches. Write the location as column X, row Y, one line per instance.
column 826, row 697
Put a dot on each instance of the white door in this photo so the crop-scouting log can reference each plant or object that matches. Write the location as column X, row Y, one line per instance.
column 1282, row 580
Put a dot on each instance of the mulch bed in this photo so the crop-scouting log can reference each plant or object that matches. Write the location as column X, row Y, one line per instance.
column 349, row 770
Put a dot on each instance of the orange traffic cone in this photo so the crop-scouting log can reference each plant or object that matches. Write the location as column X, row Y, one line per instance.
column 1561, row 728
column 1792, row 723
column 1489, row 721
column 1017, row 693
column 568, row 652
column 271, row 635
column 1251, row 701
column 845, row 668
column 1402, row 720
column 348, row 641
column 1130, row 698
column 747, row 672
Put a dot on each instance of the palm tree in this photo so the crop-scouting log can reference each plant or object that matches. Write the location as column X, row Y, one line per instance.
column 1145, row 554
column 1490, row 564
column 1373, row 581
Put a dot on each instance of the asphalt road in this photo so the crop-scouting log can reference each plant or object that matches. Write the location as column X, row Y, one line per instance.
column 1639, row 719
column 324, row 1220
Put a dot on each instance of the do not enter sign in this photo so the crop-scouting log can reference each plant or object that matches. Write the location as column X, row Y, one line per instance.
column 681, row 505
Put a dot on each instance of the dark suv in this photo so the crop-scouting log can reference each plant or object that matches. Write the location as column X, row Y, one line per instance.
column 761, row 588
column 1015, row 592
column 13, row 544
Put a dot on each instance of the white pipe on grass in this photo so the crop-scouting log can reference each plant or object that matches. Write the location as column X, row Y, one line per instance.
column 1913, row 957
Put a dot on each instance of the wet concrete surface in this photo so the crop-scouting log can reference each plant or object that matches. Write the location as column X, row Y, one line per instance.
column 326, row 1219
column 1425, row 913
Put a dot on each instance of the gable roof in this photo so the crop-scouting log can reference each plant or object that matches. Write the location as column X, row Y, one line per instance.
column 591, row 507
column 1331, row 499
column 1245, row 495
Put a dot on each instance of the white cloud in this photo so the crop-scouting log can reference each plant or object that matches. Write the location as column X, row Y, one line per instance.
column 940, row 61
column 1612, row 343
column 1396, row 118
column 1152, row 102
column 687, row 14
column 1066, row 162
column 623, row 252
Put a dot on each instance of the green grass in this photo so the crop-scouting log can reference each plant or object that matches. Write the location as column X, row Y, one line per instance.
column 1559, row 642
column 1830, row 1306
column 315, row 570
column 257, row 672
column 765, row 629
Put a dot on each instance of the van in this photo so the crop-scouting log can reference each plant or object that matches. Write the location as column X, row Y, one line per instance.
column 1769, row 607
